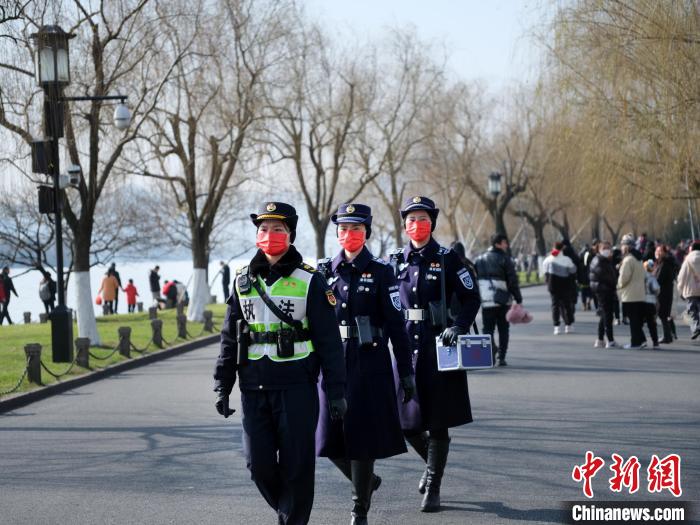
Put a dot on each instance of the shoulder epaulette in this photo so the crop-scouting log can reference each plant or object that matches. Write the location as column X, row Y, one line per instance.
column 325, row 260
column 307, row 267
column 242, row 269
column 443, row 250
column 380, row 261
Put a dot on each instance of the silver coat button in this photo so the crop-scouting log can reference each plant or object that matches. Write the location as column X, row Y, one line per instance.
column 416, row 336
column 345, row 287
column 344, row 305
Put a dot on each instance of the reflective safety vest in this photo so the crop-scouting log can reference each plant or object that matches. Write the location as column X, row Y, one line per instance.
column 290, row 295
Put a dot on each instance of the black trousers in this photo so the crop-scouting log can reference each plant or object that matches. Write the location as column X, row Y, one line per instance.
column 279, row 428
column 606, row 307
column 635, row 313
column 649, row 317
column 5, row 311
column 562, row 307
column 496, row 317
column 225, row 286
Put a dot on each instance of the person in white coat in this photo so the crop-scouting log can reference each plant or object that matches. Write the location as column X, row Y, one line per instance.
column 689, row 286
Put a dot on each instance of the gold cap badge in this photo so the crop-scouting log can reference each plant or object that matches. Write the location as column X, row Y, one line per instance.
column 271, row 207
column 350, row 208
column 416, row 199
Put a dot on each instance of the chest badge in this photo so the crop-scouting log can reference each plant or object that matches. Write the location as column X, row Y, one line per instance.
column 331, row 298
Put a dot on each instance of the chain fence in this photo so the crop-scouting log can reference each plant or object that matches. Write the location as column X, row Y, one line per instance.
column 63, row 374
column 19, row 383
column 92, row 355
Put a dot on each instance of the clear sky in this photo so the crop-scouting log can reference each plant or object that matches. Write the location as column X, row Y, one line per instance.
column 486, row 39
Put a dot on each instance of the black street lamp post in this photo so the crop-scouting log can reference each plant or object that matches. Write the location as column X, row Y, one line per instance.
column 52, row 66
column 53, row 74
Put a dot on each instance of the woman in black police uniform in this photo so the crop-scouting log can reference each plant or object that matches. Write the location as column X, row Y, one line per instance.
column 443, row 397
column 369, row 315
column 278, row 363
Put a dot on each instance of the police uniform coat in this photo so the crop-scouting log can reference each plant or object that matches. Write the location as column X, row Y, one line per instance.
column 371, row 427
column 265, row 374
column 443, row 397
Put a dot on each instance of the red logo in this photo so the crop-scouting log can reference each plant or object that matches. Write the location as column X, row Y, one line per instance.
column 587, row 472
column 662, row 474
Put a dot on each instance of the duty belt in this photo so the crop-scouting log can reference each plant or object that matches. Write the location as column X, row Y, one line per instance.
column 270, row 338
column 416, row 314
column 350, row 332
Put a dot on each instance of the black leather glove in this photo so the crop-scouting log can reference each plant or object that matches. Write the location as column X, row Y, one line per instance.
column 449, row 335
column 222, row 403
column 408, row 385
column 337, row 408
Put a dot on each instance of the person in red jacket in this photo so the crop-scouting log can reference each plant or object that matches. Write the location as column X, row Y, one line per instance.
column 131, row 295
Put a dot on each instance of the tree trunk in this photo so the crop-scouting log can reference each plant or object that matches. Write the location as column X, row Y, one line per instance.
column 201, row 294
column 320, row 236
column 498, row 216
column 540, row 242
column 398, row 229
column 87, row 324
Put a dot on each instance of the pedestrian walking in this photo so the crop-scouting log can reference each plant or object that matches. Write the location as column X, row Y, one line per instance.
column 423, row 267
column 559, row 271
column 588, row 298
column 47, row 291
column 652, row 288
column 689, row 287
column 225, row 278
column 369, row 315
column 498, row 285
column 665, row 272
column 154, row 283
column 9, row 288
column 131, row 295
column 533, row 267
column 2, row 301
column 575, row 279
column 280, row 330
column 631, row 290
column 603, row 279
column 108, row 289
column 115, row 273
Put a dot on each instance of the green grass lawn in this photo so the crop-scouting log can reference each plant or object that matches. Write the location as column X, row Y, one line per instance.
column 13, row 338
column 534, row 279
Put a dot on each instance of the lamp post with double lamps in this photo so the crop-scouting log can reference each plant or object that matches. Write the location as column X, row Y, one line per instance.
column 52, row 67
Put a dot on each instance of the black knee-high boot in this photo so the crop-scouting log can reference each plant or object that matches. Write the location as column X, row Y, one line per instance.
column 437, row 459
column 419, row 442
column 362, row 488
column 343, row 465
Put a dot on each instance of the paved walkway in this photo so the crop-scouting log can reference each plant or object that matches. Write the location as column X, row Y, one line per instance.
column 147, row 447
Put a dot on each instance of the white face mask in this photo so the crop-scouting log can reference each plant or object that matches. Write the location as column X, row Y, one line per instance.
column 605, row 253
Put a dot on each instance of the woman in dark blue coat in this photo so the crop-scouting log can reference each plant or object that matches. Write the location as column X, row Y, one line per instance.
column 369, row 314
column 443, row 397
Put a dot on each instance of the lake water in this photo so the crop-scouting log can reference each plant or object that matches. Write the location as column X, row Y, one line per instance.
column 28, row 285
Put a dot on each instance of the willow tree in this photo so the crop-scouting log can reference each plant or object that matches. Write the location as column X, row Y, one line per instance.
column 633, row 69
